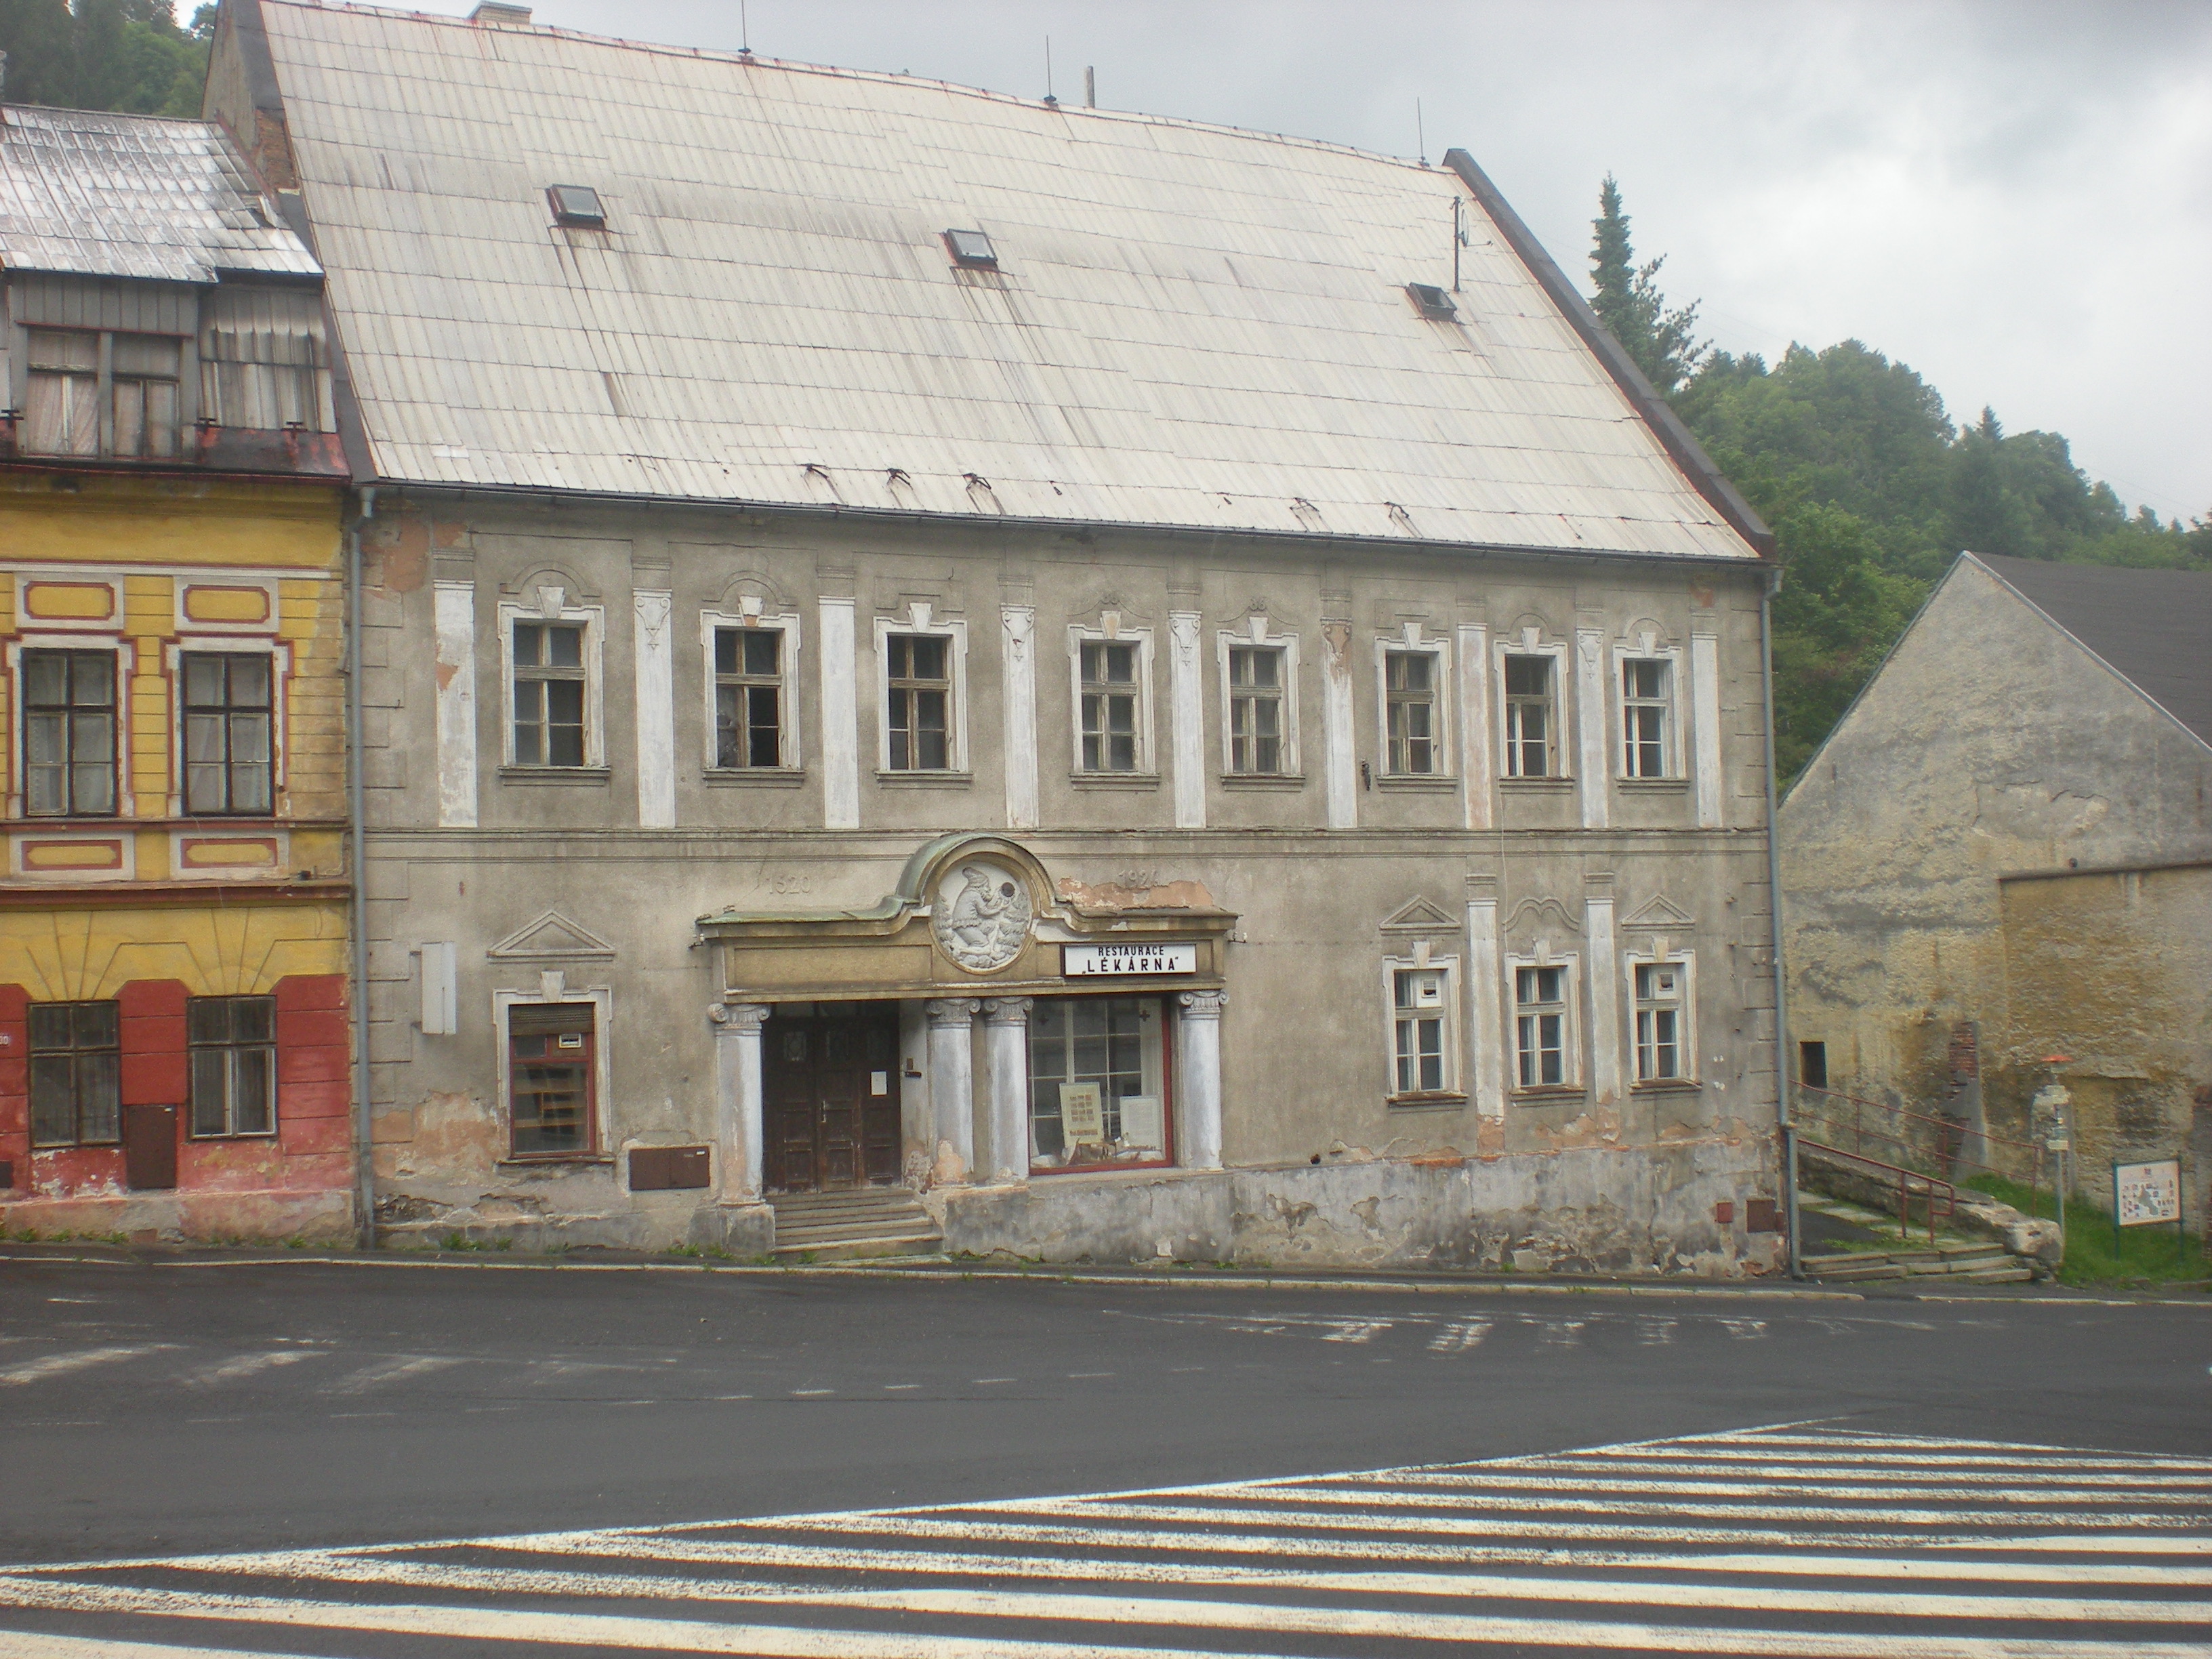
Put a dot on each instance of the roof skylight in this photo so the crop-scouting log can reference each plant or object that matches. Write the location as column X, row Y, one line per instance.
column 1433, row 301
column 576, row 204
column 972, row 248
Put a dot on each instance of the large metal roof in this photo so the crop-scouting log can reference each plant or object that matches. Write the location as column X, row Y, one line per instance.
column 1190, row 326
column 98, row 195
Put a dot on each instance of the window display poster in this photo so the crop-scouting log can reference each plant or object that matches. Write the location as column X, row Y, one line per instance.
column 1082, row 1113
column 1141, row 1124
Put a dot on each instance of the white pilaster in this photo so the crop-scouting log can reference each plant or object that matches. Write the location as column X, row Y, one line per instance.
column 1705, row 723
column 1006, row 1045
column 953, row 1078
column 1186, row 718
column 455, row 612
column 1021, row 745
column 1479, row 772
column 656, row 709
column 1486, row 997
column 1603, row 973
column 1198, row 1014
column 841, row 719
column 1342, row 763
column 1594, row 774
column 738, row 1096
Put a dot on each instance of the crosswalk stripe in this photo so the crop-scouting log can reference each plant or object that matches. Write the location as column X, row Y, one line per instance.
column 61, row 1365
column 2048, row 1554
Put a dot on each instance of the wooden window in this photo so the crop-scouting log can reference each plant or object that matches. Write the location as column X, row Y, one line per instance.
column 1659, row 1020
column 1530, row 738
column 552, row 1080
column 74, row 371
column 1255, row 710
column 1109, row 694
column 1645, row 708
column 69, row 733
column 548, row 694
column 1420, row 1004
column 919, row 667
column 1539, row 997
column 749, row 697
column 142, row 383
column 230, row 732
column 233, row 1044
column 1409, row 693
column 76, row 1074
column 1097, row 1081
column 62, row 416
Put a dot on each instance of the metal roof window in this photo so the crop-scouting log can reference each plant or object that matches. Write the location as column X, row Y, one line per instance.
column 1433, row 302
column 577, row 204
column 972, row 248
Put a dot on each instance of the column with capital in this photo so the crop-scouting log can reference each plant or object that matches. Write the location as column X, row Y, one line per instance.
column 738, row 1098
column 1007, row 1042
column 1198, row 1014
column 952, row 1078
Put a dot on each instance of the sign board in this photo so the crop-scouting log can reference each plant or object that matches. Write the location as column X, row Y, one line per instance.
column 2146, row 1195
column 1086, row 961
column 1082, row 1113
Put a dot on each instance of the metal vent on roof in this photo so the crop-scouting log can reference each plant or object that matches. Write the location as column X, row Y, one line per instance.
column 576, row 204
column 973, row 248
column 491, row 11
column 1433, row 302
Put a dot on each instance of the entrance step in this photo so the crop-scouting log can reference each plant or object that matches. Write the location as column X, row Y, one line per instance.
column 849, row 1226
column 1958, row 1264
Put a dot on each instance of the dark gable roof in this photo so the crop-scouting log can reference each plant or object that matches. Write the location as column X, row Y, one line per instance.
column 2154, row 627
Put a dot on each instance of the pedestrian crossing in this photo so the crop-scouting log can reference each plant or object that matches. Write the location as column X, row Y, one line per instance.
column 1812, row 1539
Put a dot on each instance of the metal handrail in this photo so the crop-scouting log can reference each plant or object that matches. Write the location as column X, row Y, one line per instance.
column 1920, row 1117
column 1905, row 1178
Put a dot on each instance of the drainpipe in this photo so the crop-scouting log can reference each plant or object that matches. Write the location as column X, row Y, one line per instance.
column 1774, row 923
column 364, row 1128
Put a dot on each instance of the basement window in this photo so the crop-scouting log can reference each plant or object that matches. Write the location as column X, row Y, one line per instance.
column 972, row 248
column 1433, row 302
column 577, row 204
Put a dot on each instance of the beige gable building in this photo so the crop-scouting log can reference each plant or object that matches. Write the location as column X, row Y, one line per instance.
column 941, row 664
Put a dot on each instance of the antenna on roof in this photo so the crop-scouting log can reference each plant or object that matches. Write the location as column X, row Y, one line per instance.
column 1089, row 88
column 744, row 31
column 1048, row 98
column 1421, row 133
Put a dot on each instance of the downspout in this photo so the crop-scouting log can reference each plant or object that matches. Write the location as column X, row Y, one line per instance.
column 1774, row 921
column 364, row 1130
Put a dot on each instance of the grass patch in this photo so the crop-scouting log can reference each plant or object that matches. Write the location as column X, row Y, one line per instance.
column 2146, row 1255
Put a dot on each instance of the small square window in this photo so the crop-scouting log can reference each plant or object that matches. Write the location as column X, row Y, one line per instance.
column 1433, row 302
column 577, row 204
column 973, row 248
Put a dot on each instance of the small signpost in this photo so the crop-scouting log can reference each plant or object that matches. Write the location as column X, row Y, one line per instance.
column 2146, row 1195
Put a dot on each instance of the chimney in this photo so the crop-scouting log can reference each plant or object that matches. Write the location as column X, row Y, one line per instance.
column 500, row 16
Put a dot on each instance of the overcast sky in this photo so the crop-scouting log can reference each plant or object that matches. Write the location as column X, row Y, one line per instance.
column 2015, row 197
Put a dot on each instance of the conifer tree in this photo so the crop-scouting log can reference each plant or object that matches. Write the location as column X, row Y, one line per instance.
column 1663, row 342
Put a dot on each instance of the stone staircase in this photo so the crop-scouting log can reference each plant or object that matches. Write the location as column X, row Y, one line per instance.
column 847, row 1226
column 1953, row 1264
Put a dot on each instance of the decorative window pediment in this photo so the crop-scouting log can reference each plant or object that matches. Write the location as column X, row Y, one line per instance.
column 552, row 938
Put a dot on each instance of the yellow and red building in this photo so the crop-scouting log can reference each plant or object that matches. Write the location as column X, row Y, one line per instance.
column 175, row 1048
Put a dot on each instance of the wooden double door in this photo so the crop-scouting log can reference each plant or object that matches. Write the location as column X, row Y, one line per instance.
column 831, row 1083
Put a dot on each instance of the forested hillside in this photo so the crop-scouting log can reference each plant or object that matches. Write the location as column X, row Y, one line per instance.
column 1870, row 487
column 126, row 55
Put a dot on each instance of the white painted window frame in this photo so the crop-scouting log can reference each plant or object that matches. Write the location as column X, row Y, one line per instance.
column 126, row 660
column 594, row 620
column 602, row 1000
column 1258, row 631
column 1687, row 1040
column 1454, row 995
column 921, row 623
column 1648, row 648
column 1571, row 1064
column 759, row 622
column 1079, row 635
column 1441, row 696
column 280, row 689
column 1529, row 643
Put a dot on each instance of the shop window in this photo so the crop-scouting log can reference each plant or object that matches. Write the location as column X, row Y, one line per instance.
column 230, row 732
column 1409, row 702
column 69, row 733
column 76, row 1072
column 749, row 697
column 1097, row 1081
column 1110, row 693
column 1531, row 726
column 1541, row 1027
column 918, row 709
column 1645, row 713
column 233, row 1043
column 552, row 1081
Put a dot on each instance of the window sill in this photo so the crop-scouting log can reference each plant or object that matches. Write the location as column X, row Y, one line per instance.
column 752, row 777
column 250, row 1134
column 925, row 779
column 555, row 1160
column 1555, row 1094
column 1434, row 1102
column 1653, row 785
column 1114, row 779
column 1263, row 779
column 1536, row 785
column 1416, row 783
column 578, row 777
column 1668, row 1085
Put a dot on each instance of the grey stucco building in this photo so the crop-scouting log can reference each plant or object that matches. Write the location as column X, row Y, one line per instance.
column 1166, row 690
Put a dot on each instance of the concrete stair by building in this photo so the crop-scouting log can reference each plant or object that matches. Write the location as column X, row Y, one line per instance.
column 847, row 1226
column 1954, row 1264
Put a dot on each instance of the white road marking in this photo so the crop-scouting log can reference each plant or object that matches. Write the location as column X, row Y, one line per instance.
column 1356, row 1330
column 1746, row 1330
column 246, row 1366
column 1562, row 1333
column 16, row 1645
column 1655, row 1333
column 396, row 1369
column 1459, row 1336
column 61, row 1365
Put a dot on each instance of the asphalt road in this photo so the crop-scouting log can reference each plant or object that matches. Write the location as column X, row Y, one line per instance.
column 169, row 1409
